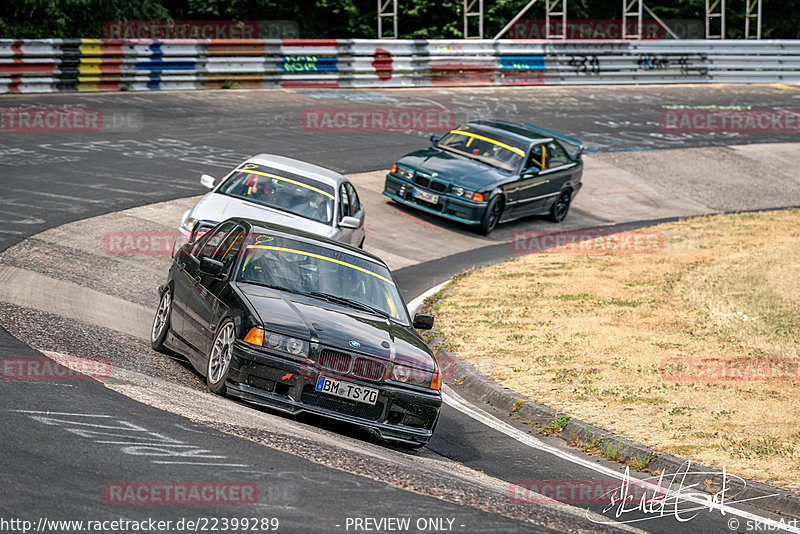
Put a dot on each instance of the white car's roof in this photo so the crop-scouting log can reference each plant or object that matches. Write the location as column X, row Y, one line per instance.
column 310, row 170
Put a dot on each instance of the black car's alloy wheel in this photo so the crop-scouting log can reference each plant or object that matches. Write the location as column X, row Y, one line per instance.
column 491, row 215
column 161, row 321
column 558, row 211
column 219, row 357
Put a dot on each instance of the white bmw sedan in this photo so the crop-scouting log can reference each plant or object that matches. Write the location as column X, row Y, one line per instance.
column 283, row 191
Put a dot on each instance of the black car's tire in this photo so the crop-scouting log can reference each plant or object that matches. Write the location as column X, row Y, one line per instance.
column 560, row 208
column 491, row 215
column 219, row 357
column 161, row 321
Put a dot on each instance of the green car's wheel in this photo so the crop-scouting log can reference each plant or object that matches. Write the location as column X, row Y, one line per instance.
column 558, row 211
column 492, row 215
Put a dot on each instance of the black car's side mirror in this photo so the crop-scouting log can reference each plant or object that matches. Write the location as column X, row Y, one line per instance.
column 434, row 139
column 423, row 321
column 211, row 267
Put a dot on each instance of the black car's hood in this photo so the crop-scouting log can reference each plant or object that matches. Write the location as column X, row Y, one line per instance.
column 455, row 168
column 336, row 326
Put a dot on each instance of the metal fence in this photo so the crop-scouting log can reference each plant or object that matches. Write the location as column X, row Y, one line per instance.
column 53, row 65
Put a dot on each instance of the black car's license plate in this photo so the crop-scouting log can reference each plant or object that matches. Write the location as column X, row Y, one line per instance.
column 427, row 197
column 347, row 390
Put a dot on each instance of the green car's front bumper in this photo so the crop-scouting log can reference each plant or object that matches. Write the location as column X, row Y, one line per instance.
column 449, row 206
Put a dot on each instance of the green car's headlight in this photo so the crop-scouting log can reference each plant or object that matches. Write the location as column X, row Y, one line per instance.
column 403, row 172
column 461, row 192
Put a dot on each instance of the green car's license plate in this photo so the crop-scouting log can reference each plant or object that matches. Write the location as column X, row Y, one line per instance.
column 347, row 390
column 427, row 197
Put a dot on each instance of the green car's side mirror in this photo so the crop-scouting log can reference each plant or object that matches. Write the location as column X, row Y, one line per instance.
column 434, row 139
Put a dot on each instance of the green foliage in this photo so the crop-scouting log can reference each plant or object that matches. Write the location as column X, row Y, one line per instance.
column 39, row 19
column 418, row 19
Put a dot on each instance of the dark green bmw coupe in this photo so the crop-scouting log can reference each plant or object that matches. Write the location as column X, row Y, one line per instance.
column 490, row 171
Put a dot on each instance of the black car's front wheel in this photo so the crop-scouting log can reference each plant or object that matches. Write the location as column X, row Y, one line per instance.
column 219, row 357
column 560, row 208
column 491, row 216
column 161, row 321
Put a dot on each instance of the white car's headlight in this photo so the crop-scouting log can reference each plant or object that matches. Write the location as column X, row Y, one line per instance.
column 187, row 223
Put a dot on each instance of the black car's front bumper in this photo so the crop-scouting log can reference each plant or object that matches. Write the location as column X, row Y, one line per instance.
column 400, row 414
column 450, row 207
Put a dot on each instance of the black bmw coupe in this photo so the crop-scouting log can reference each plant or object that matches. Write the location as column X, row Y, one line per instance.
column 296, row 322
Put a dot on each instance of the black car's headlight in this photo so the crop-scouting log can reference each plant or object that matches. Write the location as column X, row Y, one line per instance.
column 277, row 342
column 416, row 377
column 403, row 172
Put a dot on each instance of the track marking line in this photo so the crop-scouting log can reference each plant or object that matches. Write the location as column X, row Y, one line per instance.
column 166, row 462
column 63, row 413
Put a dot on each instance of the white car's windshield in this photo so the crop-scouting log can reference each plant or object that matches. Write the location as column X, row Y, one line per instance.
column 330, row 275
column 285, row 191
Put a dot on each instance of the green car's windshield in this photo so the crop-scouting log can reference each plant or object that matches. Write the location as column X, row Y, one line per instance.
column 282, row 190
column 334, row 276
column 483, row 146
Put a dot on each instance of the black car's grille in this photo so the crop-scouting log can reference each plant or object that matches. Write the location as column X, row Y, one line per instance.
column 338, row 362
column 344, row 406
column 421, row 181
column 342, row 363
column 368, row 369
column 439, row 187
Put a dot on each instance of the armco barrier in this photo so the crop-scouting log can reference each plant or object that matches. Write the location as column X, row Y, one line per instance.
column 50, row 65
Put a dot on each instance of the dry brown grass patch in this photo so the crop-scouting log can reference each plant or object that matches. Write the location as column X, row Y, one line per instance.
column 587, row 334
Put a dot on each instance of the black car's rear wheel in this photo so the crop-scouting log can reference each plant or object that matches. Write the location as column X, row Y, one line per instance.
column 560, row 208
column 491, row 216
column 161, row 321
column 219, row 357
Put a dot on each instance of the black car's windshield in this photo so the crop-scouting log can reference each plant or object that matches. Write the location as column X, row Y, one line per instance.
column 314, row 270
column 282, row 190
column 491, row 149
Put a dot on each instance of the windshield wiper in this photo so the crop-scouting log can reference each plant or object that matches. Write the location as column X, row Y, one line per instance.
column 351, row 303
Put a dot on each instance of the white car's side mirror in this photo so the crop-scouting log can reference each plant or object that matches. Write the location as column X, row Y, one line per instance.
column 349, row 222
column 208, row 181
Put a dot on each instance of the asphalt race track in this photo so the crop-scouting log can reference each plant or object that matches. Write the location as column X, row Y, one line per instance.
column 65, row 443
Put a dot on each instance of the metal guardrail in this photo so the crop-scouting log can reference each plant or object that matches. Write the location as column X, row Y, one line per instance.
column 53, row 65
